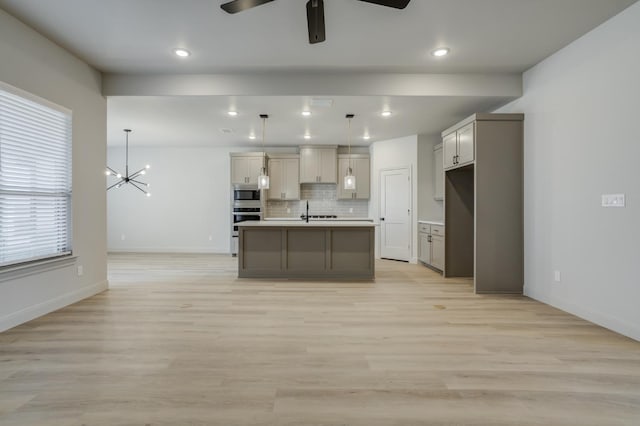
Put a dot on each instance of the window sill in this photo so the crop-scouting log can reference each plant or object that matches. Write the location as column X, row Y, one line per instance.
column 36, row 267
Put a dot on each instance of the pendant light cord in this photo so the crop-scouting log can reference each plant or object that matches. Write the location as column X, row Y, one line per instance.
column 264, row 124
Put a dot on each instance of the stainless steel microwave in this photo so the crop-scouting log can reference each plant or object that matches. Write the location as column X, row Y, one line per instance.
column 246, row 194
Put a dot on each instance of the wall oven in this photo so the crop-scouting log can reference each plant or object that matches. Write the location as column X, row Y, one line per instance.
column 245, row 205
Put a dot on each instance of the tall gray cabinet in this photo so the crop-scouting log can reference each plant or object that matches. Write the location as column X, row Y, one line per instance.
column 483, row 167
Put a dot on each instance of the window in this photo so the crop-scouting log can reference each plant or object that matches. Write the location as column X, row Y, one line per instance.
column 35, row 178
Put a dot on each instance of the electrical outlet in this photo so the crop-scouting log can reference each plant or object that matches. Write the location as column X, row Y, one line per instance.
column 122, row 237
column 556, row 276
column 210, row 237
column 350, row 209
column 80, row 270
column 613, row 200
column 288, row 210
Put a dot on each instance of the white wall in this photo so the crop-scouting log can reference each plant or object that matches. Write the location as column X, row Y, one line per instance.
column 581, row 110
column 36, row 65
column 190, row 201
column 400, row 152
column 428, row 208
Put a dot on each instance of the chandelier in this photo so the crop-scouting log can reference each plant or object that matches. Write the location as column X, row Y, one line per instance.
column 132, row 179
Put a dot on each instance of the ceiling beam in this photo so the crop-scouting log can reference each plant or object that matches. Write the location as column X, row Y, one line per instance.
column 306, row 84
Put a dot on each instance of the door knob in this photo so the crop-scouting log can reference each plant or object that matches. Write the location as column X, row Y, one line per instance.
column 382, row 218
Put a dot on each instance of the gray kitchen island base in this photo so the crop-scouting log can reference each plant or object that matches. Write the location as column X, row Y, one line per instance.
column 311, row 250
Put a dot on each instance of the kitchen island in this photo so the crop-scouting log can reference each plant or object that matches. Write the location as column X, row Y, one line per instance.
column 297, row 249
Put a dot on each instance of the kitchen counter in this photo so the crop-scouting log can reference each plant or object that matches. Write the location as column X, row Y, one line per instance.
column 431, row 222
column 332, row 249
column 301, row 223
column 338, row 219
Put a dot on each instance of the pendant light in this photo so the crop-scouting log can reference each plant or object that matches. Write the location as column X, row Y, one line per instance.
column 127, row 178
column 263, row 179
column 349, row 179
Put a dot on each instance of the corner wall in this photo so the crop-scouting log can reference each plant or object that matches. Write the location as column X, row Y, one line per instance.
column 581, row 141
column 36, row 65
column 400, row 152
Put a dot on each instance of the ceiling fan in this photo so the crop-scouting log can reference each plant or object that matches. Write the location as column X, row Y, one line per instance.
column 315, row 12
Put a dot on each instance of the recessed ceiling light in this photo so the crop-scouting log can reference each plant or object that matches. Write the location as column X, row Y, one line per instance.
column 307, row 136
column 442, row 51
column 252, row 136
column 306, row 113
column 183, row 53
column 366, row 137
column 386, row 113
column 232, row 113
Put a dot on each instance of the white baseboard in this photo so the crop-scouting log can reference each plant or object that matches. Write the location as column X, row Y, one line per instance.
column 618, row 325
column 35, row 311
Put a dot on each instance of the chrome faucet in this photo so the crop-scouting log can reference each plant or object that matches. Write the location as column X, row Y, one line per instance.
column 306, row 216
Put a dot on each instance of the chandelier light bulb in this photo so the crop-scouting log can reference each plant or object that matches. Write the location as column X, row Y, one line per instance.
column 306, row 113
column 148, row 166
column 107, row 172
column 119, row 176
column 148, row 194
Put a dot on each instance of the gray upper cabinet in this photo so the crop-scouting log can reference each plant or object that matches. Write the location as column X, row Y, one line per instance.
column 318, row 164
column 245, row 168
column 361, row 170
column 459, row 147
column 284, row 178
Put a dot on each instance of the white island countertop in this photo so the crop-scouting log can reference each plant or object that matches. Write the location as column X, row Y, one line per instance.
column 431, row 222
column 302, row 223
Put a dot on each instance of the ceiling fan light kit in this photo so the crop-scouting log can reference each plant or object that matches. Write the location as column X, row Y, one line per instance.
column 131, row 179
column 315, row 13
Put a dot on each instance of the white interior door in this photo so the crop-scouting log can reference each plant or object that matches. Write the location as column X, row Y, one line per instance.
column 395, row 214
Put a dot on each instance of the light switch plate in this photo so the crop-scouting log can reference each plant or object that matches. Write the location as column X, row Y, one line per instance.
column 613, row 200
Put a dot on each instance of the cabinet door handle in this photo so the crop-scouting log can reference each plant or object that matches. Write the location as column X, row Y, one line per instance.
column 429, row 238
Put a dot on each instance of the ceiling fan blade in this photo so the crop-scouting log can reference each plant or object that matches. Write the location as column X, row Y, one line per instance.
column 397, row 4
column 315, row 21
column 236, row 6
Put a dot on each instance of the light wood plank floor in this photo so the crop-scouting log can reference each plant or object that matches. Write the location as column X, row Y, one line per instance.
column 178, row 340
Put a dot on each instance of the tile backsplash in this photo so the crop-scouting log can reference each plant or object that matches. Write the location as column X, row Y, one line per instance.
column 322, row 201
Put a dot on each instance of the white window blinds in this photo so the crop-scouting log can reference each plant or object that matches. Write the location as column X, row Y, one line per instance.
column 35, row 178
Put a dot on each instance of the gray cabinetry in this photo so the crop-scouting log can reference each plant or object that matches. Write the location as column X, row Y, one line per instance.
column 459, row 147
column 245, row 168
column 431, row 245
column 284, row 178
column 483, row 203
column 361, row 170
column 318, row 164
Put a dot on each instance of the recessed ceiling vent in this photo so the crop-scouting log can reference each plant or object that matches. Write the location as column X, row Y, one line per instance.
column 321, row 103
column 226, row 130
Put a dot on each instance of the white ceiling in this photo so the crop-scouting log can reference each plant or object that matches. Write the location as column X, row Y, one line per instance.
column 137, row 37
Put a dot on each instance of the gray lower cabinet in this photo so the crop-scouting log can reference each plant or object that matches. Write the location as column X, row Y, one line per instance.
column 308, row 251
column 431, row 245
